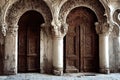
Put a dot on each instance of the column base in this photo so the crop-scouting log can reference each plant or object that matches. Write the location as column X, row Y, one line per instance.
column 9, row 73
column 58, row 71
column 42, row 68
column 105, row 71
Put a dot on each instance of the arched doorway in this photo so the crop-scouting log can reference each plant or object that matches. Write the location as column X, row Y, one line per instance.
column 81, row 42
column 29, row 42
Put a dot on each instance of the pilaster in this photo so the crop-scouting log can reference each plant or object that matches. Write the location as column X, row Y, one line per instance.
column 10, row 59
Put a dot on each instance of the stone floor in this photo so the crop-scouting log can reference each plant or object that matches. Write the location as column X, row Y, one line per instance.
column 79, row 76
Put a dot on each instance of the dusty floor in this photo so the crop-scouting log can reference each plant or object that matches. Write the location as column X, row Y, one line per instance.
column 79, row 76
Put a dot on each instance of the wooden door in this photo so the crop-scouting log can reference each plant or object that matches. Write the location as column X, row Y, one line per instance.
column 81, row 42
column 29, row 50
column 29, row 42
column 33, row 49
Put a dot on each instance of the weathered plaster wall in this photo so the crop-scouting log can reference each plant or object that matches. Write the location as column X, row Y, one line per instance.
column 46, row 53
column 113, row 47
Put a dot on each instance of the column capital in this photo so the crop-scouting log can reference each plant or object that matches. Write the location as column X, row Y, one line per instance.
column 12, row 30
column 46, row 28
column 59, row 31
column 103, row 28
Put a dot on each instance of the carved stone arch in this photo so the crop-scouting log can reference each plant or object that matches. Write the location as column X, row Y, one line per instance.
column 116, row 16
column 94, row 5
column 116, row 21
column 12, row 17
column 102, row 26
column 16, row 10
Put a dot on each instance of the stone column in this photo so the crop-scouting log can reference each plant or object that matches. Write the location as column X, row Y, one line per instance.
column 10, row 59
column 58, row 55
column 103, row 29
column 104, row 53
column 58, row 34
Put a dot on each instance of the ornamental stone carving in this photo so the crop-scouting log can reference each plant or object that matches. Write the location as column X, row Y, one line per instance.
column 103, row 28
column 116, row 21
column 59, row 31
column 71, row 4
column 4, row 28
column 12, row 30
column 17, row 9
column 116, row 16
column 107, row 9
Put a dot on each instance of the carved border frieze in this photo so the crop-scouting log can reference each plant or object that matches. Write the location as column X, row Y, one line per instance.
column 16, row 10
column 94, row 5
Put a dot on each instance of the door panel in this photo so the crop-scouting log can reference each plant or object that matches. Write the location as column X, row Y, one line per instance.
column 22, row 50
column 33, row 48
column 29, row 42
column 29, row 50
column 81, row 43
column 72, row 49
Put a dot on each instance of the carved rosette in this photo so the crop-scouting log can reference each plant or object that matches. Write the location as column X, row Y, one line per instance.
column 59, row 31
column 103, row 28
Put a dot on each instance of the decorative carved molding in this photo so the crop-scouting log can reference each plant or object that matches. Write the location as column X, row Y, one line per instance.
column 106, row 3
column 4, row 29
column 55, row 6
column 64, row 28
column 16, row 10
column 103, row 28
column 59, row 31
column 116, row 16
column 71, row 4
column 116, row 21
column 12, row 30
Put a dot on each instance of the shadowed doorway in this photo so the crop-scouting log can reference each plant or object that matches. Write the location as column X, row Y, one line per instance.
column 81, row 42
column 29, row 42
